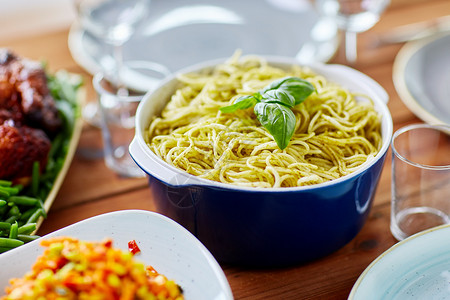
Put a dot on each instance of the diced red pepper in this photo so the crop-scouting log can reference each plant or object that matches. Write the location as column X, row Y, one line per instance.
column 133, row 247
column 107, row 243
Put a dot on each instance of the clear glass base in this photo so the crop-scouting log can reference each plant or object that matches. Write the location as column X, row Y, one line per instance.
column 416, row 219
column 121, row 162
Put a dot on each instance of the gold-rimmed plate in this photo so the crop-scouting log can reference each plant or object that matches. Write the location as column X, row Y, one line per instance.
column 422, row 79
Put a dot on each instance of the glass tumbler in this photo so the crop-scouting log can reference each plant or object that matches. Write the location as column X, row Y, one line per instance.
column 420, row 179
column 117, row 115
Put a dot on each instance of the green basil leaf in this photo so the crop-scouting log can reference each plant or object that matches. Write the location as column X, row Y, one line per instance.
column 298, row 88
column 278, row 119
column 257, row 96
column 242, row 102
column 273, row 106
column 278, row 96
column 276, row 84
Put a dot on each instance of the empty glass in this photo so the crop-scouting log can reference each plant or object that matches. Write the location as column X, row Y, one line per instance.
column 117, row 115
column 420, row 179
column 352, row 16
column 114, row 22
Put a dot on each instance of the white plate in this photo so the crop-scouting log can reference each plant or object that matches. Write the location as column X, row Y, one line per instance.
column 422, row 78
column 180, row 33
column 164, row 244
column 415, row 268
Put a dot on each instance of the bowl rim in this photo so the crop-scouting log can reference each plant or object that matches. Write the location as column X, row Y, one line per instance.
column 139, row 148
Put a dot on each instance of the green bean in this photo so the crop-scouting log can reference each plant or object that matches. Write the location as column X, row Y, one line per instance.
column 27, row 214
column 43, row 212
column 41, row 205
column 5, row 225
column 11, row 219
column 3, row 210
column 10, row 243
column 57, row 141
column 19, row 187
column 3, row 193
column 2, row 202
column 24, row 200
column 14, row 211
column 14, row 230
column 11, row 190
column 27, row 238
column 35, row 216
column 5, row 182
column 35, row 178
column 27, row 228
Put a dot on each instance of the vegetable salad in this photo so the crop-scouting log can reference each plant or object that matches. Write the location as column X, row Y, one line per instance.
column 74, row 269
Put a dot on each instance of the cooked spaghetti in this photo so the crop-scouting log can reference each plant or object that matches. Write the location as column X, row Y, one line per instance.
column 336, row 132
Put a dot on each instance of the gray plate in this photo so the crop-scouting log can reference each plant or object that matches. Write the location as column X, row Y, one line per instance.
column 422, row 78
column 180, row 33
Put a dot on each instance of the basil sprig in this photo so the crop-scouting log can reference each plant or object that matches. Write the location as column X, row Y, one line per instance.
column 272, row 106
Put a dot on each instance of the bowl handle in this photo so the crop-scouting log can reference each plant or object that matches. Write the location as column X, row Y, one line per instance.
column 157, row 169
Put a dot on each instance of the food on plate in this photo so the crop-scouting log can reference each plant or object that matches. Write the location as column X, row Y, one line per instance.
column 133, row 247
column 33, row 112
column 25, row 93
column 20, row 147
column 37, row 116
column 252, row 124
column 18, row 216
column 28, row 115
column 74, row 269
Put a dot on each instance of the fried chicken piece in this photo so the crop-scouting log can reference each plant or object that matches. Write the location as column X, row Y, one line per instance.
column 9, row 97
column 7, row 115
column 24, row 90
column 20, row 147
column 28, row 116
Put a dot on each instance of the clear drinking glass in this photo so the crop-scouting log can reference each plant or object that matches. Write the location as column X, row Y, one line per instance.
column 352, row 16
column 420, row 179
column 117, row 115
column 114, row 22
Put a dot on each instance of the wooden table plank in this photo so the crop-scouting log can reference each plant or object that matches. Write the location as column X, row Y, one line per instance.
column 59, row 217
column 331, row 277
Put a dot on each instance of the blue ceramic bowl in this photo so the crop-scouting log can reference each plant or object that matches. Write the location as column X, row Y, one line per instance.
column 260, row 226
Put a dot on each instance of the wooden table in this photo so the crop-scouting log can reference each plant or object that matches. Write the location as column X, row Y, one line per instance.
column 91, row 189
